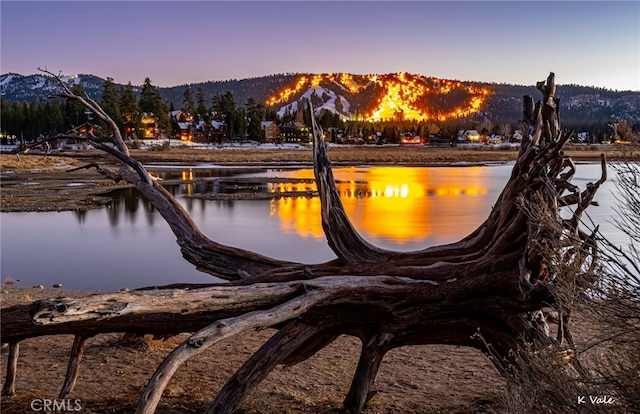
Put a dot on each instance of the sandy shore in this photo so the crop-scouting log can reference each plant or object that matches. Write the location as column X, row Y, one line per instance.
column 417, row 379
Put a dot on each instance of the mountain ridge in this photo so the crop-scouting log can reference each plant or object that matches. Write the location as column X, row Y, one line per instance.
column 366, row 97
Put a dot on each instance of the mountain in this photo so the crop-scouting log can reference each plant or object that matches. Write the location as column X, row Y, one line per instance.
column 396, row 96
column 18, row 88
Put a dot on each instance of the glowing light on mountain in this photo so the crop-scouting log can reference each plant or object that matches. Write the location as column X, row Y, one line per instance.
column 399, row 96
column 287, row 92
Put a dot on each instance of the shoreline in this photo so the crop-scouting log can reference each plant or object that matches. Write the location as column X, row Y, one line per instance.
column 35, row 182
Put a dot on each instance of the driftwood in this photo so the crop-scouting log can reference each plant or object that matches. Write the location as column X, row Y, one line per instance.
column 484, row 291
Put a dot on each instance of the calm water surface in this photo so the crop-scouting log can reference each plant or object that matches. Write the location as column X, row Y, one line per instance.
column 129, row 245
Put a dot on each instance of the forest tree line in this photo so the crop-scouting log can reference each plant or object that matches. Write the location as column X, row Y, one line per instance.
column 30, row 120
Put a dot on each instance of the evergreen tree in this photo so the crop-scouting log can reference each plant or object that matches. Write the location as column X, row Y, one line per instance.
column 109, row 102
column 239, row 122
column 56, row 119
column 150, row 100
column 225, row 111
column 303, row 115
column 201, row 110
column 17, row 119
column 337, row 122
column 255, row 115
column 6, row 118
column 31, row 125
column 162, row 113
column 42, row 125
column 129, row 110
column 270, row 114
column 74, row 112
column 187, row 101
column 151, row 103
column 128, row 103
column 326, row 120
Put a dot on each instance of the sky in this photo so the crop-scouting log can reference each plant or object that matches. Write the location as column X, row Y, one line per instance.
column 588, row 43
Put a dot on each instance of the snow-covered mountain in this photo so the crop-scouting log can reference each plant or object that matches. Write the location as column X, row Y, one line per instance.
column 322, row 100
column 367, row 97
column 16, row 88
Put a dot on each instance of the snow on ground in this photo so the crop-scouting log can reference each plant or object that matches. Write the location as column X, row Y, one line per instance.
column 227, row 145
column 250, row 145
column 319, row 91
column 151, row 143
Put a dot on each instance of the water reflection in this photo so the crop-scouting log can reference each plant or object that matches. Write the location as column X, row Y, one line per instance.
column 128, row 244
column 126, row 206
column 392, row 204
column 398, row 204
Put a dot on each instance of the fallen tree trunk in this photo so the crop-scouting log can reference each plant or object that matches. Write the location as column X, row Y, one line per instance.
column 483, row 291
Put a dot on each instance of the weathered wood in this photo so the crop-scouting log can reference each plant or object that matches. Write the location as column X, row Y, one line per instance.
column 374, row 347
column 73, row 368
column 216, row 332
column 9, row 387
column 342, row 237
column 491, row 281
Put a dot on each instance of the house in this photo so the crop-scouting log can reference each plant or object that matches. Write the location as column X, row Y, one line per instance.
column 213, row 131
column 149, row 123
column 495, row 139
column 201, row 131
column 409, row 138
column 185, row 131
column 295, row 131
column 440, row 140
column 182, row 123
column 218, row 132
column 85, row 130
column 271, row 131
column 469, row 135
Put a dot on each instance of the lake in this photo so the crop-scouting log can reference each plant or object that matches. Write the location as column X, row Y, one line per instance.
column 128, row 244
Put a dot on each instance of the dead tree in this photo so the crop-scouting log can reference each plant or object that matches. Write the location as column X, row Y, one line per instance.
column 483, row 291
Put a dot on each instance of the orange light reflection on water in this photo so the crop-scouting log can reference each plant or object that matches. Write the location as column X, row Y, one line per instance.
column 398, row 204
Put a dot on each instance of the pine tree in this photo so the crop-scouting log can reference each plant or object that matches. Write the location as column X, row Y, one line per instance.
column 225, row 111
column 270, row 114
column 109, row 102
column 150, row 99
column 162, row 114
column 17, row 119
column 239, row 122
column 255, row 115
column 73, row 111
column 201, row 110
column 56, row 117
column 128, row 103
column 187, row 101
column 129, row 109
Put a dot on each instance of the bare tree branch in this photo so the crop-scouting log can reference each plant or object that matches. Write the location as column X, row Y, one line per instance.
column 524, row 257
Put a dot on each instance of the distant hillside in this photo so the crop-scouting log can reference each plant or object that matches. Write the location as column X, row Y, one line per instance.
column 19, row 88
column 369, row 97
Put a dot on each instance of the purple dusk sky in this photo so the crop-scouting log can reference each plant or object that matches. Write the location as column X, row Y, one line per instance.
column 587, row 43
